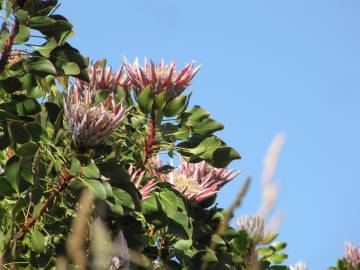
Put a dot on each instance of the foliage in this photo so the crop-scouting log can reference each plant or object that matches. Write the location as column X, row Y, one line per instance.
column 135, row 201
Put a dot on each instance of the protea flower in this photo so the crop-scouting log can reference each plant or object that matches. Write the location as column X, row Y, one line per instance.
column 352, row 254
column 102, row 78
column 161, row 77
column 253, row 225
column 199, row 181
column 299, row 266
column 90, row 123
column 136, row 176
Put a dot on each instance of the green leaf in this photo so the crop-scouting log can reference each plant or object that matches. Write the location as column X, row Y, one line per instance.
column 64, row 54
column 4, row 115
column 27, row 150
column 37, row 241
column 70, row 68
column 53, row 111
column 165, row 169
column 35, row 131
column 115, row 208
column 278, row 246
column 96, row 187
column 153, row 211
column 209, row 256
column 204, row 150
column 47, row 48
column 183, row 244
column 26, row 169
column 22, row 16
column 180, row 225
column 12, row 172
column 22, row 35
column 26, row 106
column 17, row 132
column 75, row 168
column 223, row 156
column 91, row 171
column 265, row 251
column 278, row 258
column 5, row 187
column 207, row 127
column 145, row 100
column 196, row 115
column 160, row 101
column 40, row 65
column 124, row 198
column 175, row 106
column 41, row 22
column 169, row 201
column 11, row 84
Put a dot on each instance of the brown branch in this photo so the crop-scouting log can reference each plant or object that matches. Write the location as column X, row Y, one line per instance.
column 8, row 45
column 149, row 143
column 51, row 197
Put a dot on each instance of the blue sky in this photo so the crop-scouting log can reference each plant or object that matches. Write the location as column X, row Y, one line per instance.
column 268, row 66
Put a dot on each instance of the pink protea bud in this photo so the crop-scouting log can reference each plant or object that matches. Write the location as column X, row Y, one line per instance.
column 136, row 177
column 161, row 77
column 253, row 225
column 90, row 123
column 352, row 254
column 102, row 78
column 198, row 181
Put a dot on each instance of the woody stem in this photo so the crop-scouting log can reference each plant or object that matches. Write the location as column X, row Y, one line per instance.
column 51, row 197
column 149, row 143
column 8, row 45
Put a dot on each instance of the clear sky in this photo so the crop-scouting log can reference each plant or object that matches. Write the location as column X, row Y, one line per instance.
column 268, row 66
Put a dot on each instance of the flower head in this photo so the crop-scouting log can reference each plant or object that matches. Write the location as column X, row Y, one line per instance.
column 90, row 123
column 199, row 181
column 136, row 176
column 253, row 225
column 299, row 266
column 161, row 77
column 352, row 254
column 102, row 78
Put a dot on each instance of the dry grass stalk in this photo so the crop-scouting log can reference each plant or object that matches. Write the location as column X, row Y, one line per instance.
column 1, row 262
column 270, row 187
column 100, row 245
column 76, row 241
column 61, row 263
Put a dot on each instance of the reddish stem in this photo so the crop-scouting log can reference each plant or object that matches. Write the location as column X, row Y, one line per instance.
column 149, row 143
column 8, row 45
column 51, row 197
